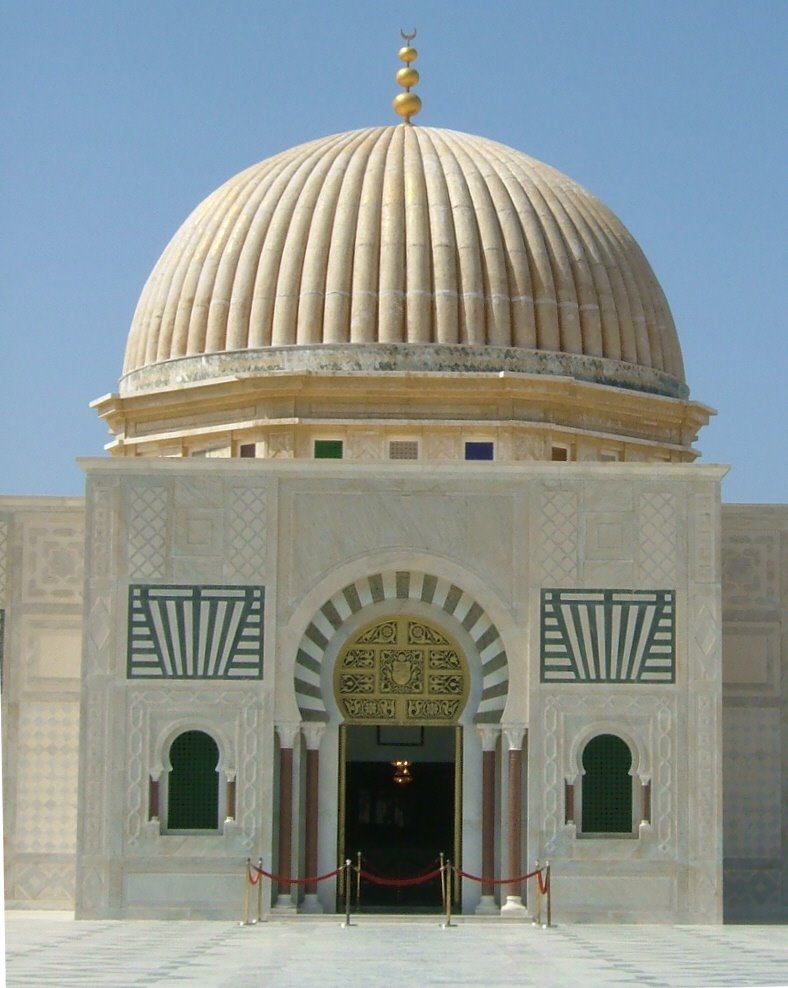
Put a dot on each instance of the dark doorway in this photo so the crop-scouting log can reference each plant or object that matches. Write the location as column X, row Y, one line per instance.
column 400, row 829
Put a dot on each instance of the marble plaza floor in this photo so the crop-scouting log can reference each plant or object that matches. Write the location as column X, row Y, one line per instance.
column 53, row 949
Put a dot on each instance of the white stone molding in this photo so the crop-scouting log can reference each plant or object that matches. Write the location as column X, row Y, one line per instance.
column 156, row 717
column 645, row 723
column 705, row 830
column 102, row 518
column 705, row 646
column 489, row 734
column 514, row 735
column 288, row 733
column 98, row 638
column 703, row 540
column 313, row 734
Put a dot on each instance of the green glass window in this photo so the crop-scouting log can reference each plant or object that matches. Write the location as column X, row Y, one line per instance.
column 328, row 449
column 193, row 791
column 607, row 786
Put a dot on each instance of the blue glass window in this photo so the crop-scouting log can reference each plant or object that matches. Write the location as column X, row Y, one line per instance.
column 479, row 451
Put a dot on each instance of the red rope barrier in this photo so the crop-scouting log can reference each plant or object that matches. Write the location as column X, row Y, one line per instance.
column 503, row 881
column 538, row 873
column 295, row 881
column 398, row 882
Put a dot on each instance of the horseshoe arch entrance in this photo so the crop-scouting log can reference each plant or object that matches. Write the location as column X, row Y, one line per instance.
column 401, row 685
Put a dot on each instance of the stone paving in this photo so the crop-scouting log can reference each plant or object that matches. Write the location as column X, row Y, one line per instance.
column 377, row 952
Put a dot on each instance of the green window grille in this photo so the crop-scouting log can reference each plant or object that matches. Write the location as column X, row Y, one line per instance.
column 193, row 793
column 328, row 449
column 607, row 786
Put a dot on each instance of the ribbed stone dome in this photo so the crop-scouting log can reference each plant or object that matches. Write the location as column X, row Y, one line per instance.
column 427, row 243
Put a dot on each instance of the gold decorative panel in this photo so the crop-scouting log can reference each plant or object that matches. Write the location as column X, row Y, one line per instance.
column 402, row 671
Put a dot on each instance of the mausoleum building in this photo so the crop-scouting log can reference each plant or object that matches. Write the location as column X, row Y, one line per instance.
column 401, row 551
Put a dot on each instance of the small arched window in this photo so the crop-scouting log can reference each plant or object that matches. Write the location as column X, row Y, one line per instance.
column 607, row 786
column 193, row 785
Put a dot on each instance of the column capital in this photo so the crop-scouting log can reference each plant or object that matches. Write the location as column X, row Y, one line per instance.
column 287, row 733
column 313, row 734
column 514, row 734
column 489, row 734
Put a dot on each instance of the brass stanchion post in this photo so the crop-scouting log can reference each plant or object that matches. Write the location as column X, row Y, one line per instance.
column 443, row 882
column 259, row 891
column 348, row 893
column 538, row 911
column 358, row 881
column 247, row 882
column 548, row 892
column 447, row 924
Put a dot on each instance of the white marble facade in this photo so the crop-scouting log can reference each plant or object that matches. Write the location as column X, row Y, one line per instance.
column 305, row 532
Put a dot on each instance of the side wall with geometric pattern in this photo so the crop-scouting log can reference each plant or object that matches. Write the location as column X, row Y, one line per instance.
column 755, row 710
column 42, row 542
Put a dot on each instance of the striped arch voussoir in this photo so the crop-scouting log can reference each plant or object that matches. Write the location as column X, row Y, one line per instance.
column 401, row 585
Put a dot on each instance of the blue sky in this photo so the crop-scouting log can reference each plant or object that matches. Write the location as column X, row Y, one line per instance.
column 119, row 117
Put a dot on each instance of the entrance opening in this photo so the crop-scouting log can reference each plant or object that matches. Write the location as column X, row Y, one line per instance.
column 401, row 825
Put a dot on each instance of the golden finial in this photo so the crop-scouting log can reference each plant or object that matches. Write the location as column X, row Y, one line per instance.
column 407, row 104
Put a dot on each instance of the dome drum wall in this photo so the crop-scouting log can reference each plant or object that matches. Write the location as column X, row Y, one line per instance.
column 439, row 409
column 386, row 358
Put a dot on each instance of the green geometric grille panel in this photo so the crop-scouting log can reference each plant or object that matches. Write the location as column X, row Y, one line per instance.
column 608, row 636
column 193, row 792
column 607, row 786
column 188, row 632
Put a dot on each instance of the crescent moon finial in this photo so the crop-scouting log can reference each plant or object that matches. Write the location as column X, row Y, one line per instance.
column 407, row 104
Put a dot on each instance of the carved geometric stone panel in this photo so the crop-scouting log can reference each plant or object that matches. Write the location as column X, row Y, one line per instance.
column 52, row 563
column 558, row 534
column 193, row 632
column 46, row 774
column 608, row 636
column 148, row 509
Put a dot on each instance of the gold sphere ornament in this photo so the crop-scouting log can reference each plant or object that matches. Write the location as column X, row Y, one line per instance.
column 407, row 77
column 406, row 105
column 408, row 54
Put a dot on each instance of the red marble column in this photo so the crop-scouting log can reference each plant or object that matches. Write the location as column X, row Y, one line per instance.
column 488, row 822
column 310, row 843
column 513, row 818
column 285, row 862
column 287, row 734
column 153, row 799
column 514, row 738
column 312, row 735
column 231, row 789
